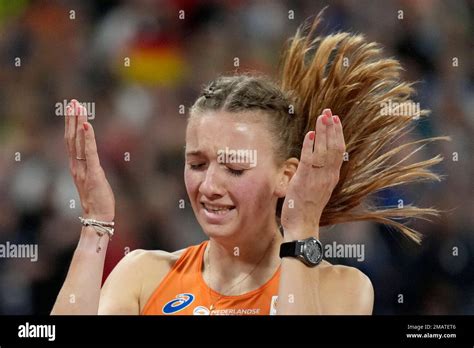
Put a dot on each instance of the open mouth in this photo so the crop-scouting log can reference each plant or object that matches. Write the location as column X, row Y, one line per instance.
column 217, row 209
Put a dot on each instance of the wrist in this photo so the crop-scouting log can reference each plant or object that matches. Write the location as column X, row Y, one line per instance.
column 99, row 217
column 300, row 233
column 89, row 240
column 97, row 227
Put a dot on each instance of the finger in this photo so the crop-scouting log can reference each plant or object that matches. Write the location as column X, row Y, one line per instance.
column 92, row 158
column 81, row 165
column 341, row 144
column 327, row 112
column 320, row 145
column 333, row 155
column 307, row 150
column 66, row 122
column 81, row 113
column 71, row 131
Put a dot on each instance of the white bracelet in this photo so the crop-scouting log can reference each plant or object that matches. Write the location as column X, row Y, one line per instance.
column 101, row 228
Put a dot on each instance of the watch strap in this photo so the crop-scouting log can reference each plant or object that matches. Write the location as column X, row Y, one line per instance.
column 292, row 249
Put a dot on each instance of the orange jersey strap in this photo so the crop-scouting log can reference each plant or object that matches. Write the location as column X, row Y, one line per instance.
column 184, row 292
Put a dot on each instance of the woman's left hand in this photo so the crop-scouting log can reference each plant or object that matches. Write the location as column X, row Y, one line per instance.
column 316, row 177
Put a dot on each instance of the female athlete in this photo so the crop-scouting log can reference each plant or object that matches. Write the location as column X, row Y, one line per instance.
column 267, row 163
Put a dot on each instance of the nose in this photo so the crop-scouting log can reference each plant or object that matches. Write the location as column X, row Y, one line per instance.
column 212, row 186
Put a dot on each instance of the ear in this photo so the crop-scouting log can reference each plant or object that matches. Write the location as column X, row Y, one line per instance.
column 288, row 169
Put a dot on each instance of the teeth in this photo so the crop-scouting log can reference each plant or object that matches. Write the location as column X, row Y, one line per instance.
column 219, row 210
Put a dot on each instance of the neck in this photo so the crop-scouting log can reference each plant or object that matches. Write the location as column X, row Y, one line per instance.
column 227, row 263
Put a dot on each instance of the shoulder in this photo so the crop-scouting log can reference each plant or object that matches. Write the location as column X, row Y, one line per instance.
column 134, row 279
column 344, row 274
column 153, row 266
column 144, row 258
column 345, row 290
column 139, row 260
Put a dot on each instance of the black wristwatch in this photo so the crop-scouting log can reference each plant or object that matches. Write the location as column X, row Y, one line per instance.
column 309, row 251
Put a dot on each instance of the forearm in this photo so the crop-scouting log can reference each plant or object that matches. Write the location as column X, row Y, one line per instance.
column 298, row 291
column 80, row 292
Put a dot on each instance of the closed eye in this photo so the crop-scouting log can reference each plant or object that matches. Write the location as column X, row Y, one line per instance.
column 235, row 172
column 196, row 166
column 200, row 166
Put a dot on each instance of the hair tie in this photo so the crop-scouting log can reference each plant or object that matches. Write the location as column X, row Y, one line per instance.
column 209, row 92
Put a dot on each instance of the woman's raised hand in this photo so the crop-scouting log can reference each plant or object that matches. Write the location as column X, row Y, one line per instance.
column 316, row 177
column 97, row 198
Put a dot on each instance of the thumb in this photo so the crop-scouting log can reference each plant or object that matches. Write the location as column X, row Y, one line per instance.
column 307, row 151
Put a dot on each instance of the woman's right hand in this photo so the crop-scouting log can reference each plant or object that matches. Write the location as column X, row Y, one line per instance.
column 97, row 198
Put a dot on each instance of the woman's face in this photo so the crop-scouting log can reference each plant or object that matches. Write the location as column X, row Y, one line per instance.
column 230, row 174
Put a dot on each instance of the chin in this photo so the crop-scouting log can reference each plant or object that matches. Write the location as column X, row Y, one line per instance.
column 218, row 231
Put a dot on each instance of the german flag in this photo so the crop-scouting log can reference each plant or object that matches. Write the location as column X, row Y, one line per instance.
column 156, row 62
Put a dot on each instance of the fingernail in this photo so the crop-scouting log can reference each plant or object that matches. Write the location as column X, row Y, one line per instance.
column 86, row 126
column 326, row 120
column 336, row 119
column 311, row 136
column 330, row 120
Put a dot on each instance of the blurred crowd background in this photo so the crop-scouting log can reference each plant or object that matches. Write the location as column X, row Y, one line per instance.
column 139, row 62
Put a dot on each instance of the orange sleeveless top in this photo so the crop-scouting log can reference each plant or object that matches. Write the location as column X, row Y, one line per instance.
column 184, row 292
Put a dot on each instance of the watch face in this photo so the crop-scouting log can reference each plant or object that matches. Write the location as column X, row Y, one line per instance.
column 313, row 251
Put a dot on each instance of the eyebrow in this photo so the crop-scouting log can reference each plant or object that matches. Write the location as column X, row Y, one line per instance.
column 194, row 153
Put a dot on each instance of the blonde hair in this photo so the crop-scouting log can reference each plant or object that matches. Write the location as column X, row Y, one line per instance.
column 313, row 76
